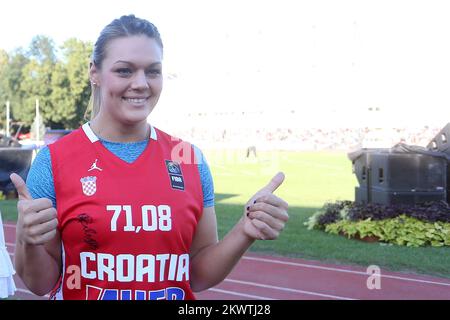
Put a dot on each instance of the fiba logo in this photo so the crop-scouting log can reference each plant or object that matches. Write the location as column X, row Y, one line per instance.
column 175, row 175
column 173, row 167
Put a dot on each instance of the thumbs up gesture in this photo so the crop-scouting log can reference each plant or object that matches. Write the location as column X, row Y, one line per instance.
column 265, row 213
column 37, row 221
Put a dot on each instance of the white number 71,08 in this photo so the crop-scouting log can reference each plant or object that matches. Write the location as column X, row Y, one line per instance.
column 153, row 218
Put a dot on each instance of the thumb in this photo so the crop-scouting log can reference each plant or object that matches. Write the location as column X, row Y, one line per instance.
column 274, row 183
column 21, row 187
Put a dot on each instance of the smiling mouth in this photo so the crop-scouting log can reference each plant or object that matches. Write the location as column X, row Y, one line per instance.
column 135, row 100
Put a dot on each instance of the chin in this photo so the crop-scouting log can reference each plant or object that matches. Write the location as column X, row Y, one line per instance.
column 136, row 116
column 133, row 120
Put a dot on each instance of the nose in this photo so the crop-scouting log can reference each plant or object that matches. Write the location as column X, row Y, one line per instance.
column 140, row 81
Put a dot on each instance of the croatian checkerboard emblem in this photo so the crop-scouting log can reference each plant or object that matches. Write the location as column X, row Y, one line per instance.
column 89, row 185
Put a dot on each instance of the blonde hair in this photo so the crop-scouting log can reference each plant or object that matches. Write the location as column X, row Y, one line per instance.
column 93, row 107
column 125, row 26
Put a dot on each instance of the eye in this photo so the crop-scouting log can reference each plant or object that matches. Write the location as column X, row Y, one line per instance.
column 124, row 71
column 153, row 72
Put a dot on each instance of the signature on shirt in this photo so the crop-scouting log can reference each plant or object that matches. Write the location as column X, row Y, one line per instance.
column 89, row 233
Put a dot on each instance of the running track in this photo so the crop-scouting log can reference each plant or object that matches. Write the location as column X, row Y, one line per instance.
column 259, row 277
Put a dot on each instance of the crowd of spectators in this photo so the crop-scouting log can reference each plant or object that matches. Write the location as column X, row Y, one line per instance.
column 298, row 139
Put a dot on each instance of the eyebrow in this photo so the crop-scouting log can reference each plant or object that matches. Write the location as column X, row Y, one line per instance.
column 128, row 62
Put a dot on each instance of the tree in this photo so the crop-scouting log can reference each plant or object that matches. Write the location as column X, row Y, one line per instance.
column 42, row 48
column 63, row 109
column 4, row 59
column 70, row 85
column 11, row 78
column 36, row 84
column 61, row 83
column 37, row 80
column 76, row 55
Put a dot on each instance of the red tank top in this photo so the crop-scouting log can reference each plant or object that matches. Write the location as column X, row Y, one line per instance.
column 126, row 228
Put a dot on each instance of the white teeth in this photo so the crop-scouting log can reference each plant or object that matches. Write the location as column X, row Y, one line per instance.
column 135, row 100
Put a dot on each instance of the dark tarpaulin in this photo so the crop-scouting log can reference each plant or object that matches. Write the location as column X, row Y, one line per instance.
column 16, row 160
column 7, row 142
column 438, row 147
column 399, row 148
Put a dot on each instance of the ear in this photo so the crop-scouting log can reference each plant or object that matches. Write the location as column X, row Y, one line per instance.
column 93, row 74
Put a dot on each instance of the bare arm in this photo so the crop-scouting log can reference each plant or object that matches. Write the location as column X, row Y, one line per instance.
column 213, row 260
column 39, row 266
column 38, row 243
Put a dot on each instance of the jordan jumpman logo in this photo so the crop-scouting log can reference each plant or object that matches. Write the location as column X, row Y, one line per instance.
column 94, row 166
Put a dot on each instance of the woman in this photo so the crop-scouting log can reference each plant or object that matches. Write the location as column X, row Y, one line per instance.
column 115, row 210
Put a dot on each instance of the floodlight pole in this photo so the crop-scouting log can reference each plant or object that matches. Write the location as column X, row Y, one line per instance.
column 37, row 120
column 7, row 118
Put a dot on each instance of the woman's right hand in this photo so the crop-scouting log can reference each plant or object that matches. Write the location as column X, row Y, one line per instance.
column 37, row 222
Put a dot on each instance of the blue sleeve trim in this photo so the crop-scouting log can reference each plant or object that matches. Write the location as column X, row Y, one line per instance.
column 206, row 179
column 40, row 177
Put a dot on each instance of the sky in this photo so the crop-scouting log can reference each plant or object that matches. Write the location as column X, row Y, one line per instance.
column 318, row 60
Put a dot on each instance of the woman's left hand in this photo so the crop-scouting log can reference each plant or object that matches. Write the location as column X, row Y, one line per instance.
column 265, row 214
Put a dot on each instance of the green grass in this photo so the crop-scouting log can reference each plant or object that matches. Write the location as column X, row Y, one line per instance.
column 8, row 208
column 311, row 180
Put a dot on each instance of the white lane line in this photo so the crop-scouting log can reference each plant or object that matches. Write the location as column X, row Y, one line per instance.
column 288, row 289
column 247, row 295
column 234, row 293
column 304, row 265
column 212, row 289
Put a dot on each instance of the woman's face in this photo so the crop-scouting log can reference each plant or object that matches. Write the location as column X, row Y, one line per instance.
column 130, row 79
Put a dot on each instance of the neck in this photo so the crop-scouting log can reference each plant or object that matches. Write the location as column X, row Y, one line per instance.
column 118, row 132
